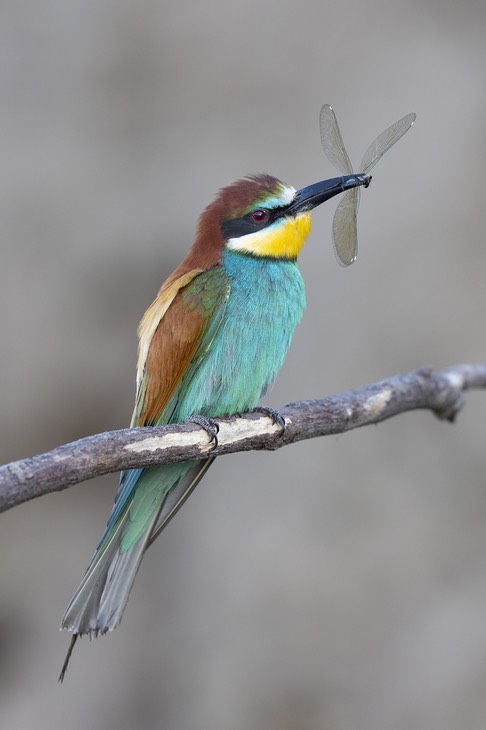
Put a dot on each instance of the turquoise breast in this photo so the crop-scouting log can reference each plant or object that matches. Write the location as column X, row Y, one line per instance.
column 265, row 305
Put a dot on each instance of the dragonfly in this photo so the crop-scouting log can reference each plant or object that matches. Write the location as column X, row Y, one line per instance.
column 344, row 233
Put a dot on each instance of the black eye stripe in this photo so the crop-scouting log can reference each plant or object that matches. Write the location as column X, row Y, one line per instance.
column 237, row 227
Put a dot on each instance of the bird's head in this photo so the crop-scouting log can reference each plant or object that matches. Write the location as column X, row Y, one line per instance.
column 262, row 216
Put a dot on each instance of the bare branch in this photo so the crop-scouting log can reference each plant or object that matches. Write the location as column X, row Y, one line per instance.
column 440, row 392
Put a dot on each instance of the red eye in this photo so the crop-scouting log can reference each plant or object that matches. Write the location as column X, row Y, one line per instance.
column 259, row 216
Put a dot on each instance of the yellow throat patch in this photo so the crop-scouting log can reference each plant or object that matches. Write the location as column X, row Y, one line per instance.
column 282, row 240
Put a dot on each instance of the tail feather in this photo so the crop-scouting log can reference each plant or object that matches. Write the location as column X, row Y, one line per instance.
column 177, row 496
column 99, row 602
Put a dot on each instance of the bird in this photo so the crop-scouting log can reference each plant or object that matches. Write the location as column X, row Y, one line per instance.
column 210, row 345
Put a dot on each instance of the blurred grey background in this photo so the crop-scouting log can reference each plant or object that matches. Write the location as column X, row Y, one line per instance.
column 339, row 584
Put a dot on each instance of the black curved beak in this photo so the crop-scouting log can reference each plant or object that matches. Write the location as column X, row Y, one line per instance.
column 313, row 195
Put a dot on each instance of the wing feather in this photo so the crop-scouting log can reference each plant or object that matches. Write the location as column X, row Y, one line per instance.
column 175, row 334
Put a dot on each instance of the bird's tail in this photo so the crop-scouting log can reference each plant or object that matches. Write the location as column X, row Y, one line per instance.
column 98, row 603
column 145, row 502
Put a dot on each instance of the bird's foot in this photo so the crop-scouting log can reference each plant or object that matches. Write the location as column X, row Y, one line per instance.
column 210, row 426
column 276, row 416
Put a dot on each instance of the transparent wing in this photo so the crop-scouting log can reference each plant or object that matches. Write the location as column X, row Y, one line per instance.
column 332, row 142
column 384, row 141
column 344, row 234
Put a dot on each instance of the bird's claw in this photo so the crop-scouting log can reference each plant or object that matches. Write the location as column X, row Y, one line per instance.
column 210, row 426
column 275, row 415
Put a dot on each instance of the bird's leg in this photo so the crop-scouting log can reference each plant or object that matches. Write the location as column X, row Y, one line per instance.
column 276, row 416
column 210, row 426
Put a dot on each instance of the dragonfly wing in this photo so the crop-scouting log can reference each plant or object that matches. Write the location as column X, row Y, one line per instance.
column 384, row 141
column 332, row 142
column 344, row 233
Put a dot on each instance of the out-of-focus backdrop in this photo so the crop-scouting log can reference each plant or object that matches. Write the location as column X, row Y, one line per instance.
column 338, row 584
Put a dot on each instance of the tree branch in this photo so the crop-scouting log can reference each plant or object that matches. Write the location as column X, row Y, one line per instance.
column 440, row 392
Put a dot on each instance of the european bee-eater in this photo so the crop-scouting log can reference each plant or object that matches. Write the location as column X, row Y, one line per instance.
column 209, row 345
